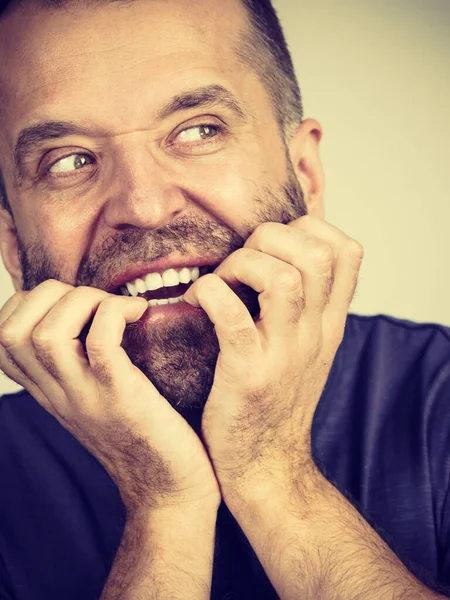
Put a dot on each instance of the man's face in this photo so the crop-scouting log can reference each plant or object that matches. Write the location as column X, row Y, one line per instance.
column 172, row 154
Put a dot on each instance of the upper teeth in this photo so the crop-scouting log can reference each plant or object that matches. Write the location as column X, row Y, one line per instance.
column 155, row 281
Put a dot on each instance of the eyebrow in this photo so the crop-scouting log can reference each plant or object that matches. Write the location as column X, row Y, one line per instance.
column 32, row 137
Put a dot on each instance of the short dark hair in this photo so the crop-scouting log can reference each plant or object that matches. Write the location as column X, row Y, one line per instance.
column 264, row 49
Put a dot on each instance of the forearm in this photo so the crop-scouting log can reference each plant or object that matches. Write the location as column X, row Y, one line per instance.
column 317, row 545
column 165, row 554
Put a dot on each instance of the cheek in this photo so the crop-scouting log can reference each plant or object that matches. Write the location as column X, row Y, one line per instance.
column 228, row 190
column 66, row 237
column 228, row 196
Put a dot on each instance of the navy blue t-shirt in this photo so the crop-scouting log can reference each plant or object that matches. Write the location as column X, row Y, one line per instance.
column 381, row 434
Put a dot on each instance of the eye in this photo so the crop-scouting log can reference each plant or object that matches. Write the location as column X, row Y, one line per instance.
column 197, row 133
column 73, row 162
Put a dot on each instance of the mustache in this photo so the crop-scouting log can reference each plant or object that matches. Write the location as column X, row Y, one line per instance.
column 188, row 235
column 184, row 236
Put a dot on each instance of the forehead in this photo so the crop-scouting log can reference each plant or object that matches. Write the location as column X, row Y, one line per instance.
column 112, row 57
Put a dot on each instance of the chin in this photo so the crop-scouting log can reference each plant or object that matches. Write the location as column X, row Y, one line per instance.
column 179, row 357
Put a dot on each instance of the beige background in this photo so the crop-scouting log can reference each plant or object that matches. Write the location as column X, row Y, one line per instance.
column 376, row 75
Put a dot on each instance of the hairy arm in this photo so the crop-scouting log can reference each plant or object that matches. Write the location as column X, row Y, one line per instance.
column 314, row 544
column 164, row 554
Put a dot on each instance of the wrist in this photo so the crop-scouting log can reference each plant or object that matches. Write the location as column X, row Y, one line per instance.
column 271, row 494
column 172, row 512
column 270, row 471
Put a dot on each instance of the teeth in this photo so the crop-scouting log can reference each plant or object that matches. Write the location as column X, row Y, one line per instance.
column 132, row 289
column 170, row 278
column 162, row 302
column 155, row 281
column 141, row 287
column 185, row 275
column 165, row 301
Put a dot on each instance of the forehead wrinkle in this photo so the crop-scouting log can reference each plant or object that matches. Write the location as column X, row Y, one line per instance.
column 31, row 137
column 77, row 78
column 74, row 77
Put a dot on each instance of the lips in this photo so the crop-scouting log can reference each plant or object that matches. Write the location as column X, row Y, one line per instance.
column 171, row 284
column 143, row 269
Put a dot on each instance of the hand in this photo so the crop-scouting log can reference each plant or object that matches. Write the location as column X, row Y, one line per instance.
column 149, row 450
column 271, row 371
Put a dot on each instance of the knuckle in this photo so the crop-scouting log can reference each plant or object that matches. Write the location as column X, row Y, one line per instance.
column 85, row 289
column 84, row 292
column 41, row 337
column 234, row 312
column 355, row 249
column 242, row 254
column 267, row 227
column 94, row 345
column 109, row 301
column 288, row 279
column 305, row 221
column 262, row 231
column 320, row 251
column 56, row 284
column 8, row 335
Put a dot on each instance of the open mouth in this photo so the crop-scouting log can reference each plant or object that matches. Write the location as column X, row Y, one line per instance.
column 163, row 288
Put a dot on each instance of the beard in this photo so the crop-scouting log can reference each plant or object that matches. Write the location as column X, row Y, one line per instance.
column 178, row 355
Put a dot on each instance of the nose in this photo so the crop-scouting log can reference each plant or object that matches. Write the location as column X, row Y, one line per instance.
column 144, row 193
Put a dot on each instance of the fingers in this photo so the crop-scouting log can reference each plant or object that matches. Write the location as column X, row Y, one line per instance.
column 40, row 330
column 305, row 271
column 308, row 255
column 278, row 284
column 347, row 255
column 328, row 260
column 7, row 363
column 18, row 317
column 61, row 352
column 235, row 329
column 108, row 361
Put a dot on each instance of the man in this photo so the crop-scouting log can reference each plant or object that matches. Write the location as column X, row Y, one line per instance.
column 181, row 442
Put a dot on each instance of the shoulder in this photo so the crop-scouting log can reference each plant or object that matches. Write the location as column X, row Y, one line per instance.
column 384, row 329
column 395, row 376
column 390, row 384
column 397, row 349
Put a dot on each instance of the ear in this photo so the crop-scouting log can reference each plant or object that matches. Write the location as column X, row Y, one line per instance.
column 304, row 154
column 9, row 248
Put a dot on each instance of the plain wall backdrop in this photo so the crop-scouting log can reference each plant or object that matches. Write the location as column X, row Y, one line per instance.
column 376, row 75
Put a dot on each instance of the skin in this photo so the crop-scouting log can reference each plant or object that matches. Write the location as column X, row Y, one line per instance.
column 142, row 191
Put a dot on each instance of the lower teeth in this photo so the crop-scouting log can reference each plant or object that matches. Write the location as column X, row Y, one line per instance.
column 165, row 301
